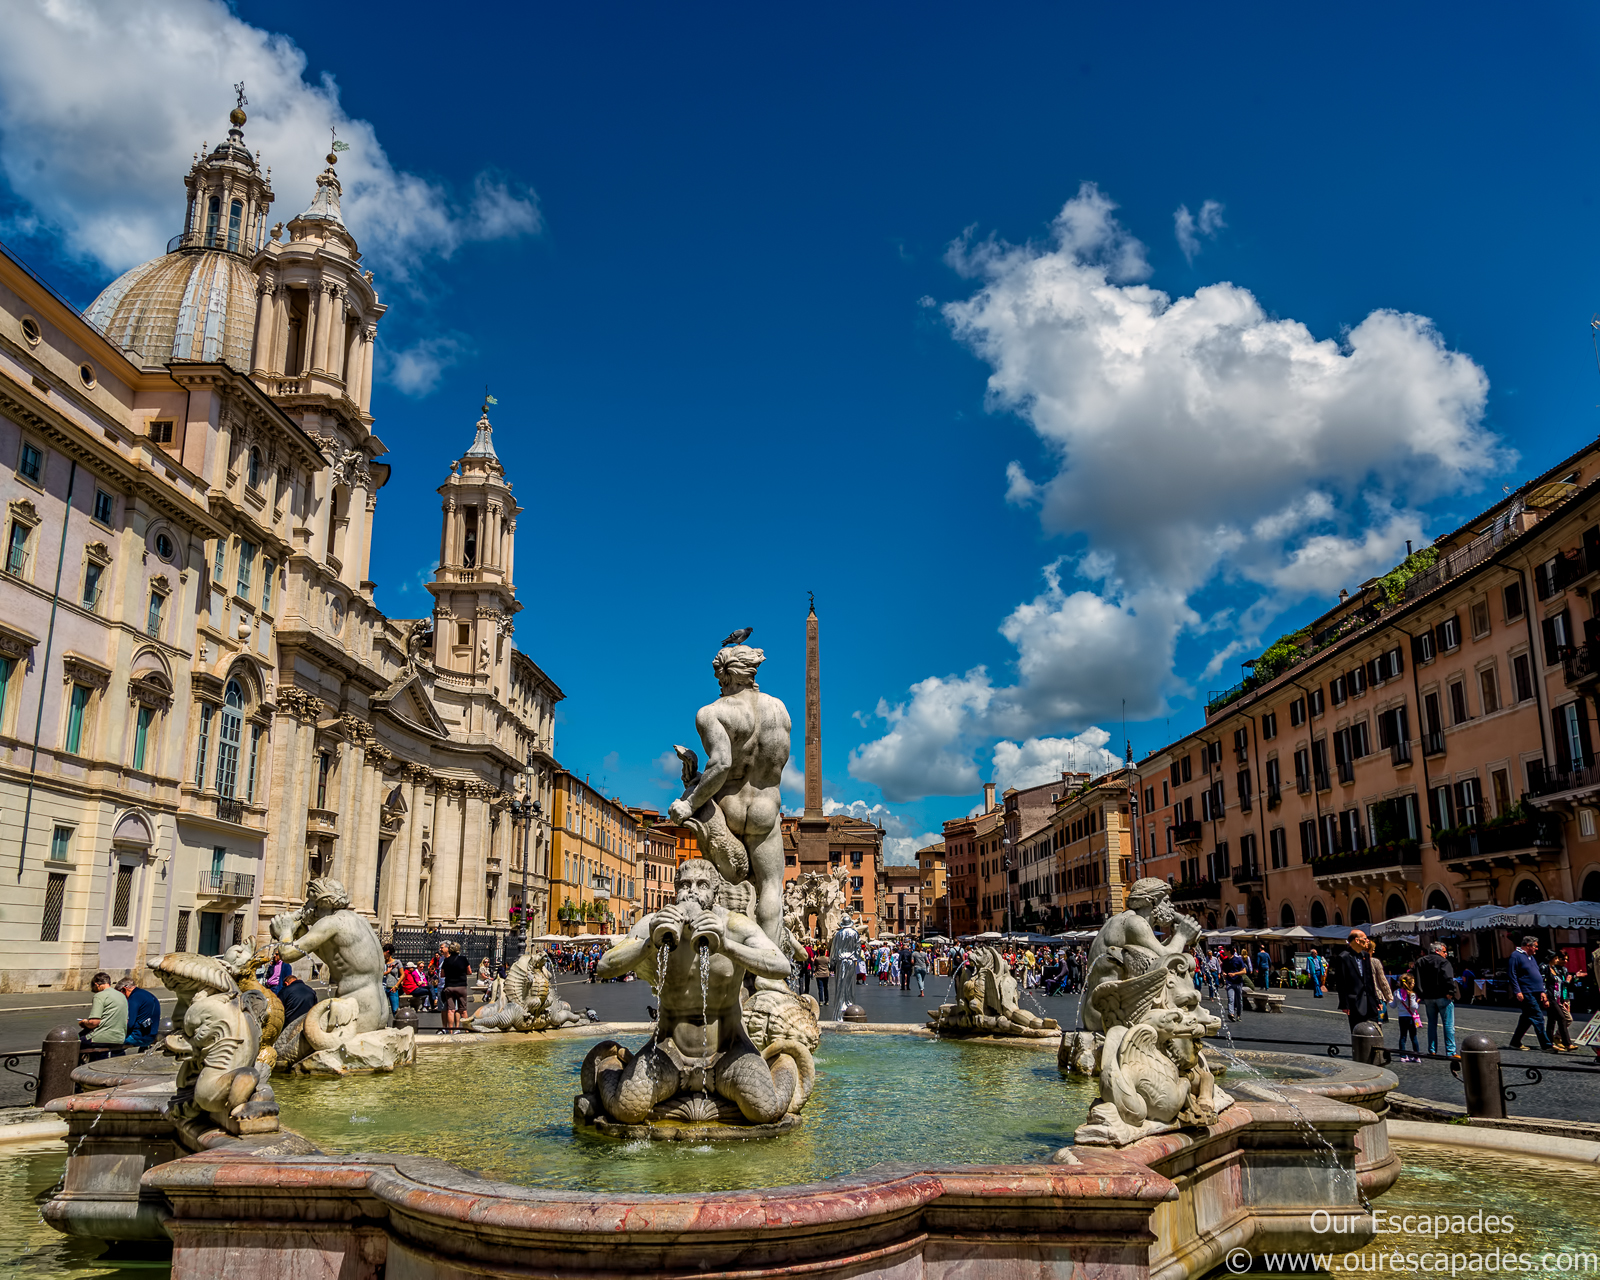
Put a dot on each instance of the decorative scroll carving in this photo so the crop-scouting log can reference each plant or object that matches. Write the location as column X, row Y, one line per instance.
column 77, row 670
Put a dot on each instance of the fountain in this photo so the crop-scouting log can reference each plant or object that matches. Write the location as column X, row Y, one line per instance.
column 988, row 1003
column 639, row 1177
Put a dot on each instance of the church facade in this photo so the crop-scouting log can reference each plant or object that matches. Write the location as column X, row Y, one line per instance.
column 201, row 705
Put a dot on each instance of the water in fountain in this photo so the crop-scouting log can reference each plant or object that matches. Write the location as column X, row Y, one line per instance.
column 1312, row 1134
column 705, row 988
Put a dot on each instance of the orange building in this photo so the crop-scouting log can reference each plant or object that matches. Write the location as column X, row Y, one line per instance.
column 848, row 842
column 935, row 903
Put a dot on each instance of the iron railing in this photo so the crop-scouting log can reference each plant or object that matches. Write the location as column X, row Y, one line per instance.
column 1197, row 891
column 1249, row 873
column 1404, row 853
column 1578, row 664
column 230, row 810
column 419, row 943
column 1512, row 837
column 1400, row 751
column 1186, row 833
column 228, row 884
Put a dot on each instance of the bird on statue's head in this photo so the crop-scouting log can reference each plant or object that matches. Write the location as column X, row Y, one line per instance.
column 738, row 637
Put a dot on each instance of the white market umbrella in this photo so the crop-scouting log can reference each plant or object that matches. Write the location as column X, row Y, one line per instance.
column 1406, row 924
column 1293, row 933
column 986, row 937
column 1471, row 918
column 1563, row 915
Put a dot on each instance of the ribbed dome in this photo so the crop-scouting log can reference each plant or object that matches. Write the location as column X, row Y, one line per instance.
column 195, row 304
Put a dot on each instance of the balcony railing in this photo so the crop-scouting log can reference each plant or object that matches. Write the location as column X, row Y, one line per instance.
column 1248, row 874
column 1186, row 833
column 1403, row 853
column 1579, row 664
column 1531, row 835
column 227, row 884
column 1302, row 784
column 1400, row 751
column 1433, row 743
column 1584, row 774
column 230, row 810
column 1197, row 891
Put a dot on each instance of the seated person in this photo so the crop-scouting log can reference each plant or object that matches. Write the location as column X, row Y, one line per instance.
column 297, row 997
column 144, row 1014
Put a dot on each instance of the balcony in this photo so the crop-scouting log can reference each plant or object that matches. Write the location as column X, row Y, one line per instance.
column 1584, row 776
column 1396, row 857
column 1302, row 784
column 1197, row 891
column 1433, row 743
column 1400, row 752
column 230, row 810
column 1247, row 875
column 1186, row 833
column 1531, row 836
column 227, row 884
column 1580, row 665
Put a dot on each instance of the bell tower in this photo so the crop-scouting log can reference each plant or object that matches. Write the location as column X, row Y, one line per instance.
column 474, row 596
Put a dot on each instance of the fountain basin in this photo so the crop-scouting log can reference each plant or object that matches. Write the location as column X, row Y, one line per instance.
column 1169, row 1206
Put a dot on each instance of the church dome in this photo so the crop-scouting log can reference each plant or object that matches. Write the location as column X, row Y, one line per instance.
column 192, row 304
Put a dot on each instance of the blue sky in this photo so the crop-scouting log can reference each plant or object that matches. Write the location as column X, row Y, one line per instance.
column 740, row 280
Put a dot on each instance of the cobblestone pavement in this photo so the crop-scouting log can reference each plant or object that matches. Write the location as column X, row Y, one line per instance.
column 26, row 1017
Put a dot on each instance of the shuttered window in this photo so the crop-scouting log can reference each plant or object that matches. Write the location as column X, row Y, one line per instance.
column 55, row 896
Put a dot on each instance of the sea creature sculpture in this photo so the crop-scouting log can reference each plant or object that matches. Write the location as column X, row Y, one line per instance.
column 1143, row 1026
column 988, row 1003
column 242, row 960
column 525, row 999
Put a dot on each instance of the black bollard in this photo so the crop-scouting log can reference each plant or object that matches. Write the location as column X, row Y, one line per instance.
column 1366, row 1044
column 407, row 1017
column 58, row 1059
column 1480, row 1077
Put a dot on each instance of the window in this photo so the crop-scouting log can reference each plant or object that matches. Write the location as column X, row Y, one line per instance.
column 7, row 666
column 219, row 567
column 122, row 902
column 1297, row 712
column 141, row 735
column 1165, row 795
column 1572, row 736
column 1468, row 802
column 61, row 844
column 161, row 432
column 463, row 633
column 1522, row 676
column 1458, row 702
column 1422, row 647
column 1308, row 840
column 247, row 563
column 31, row 464
column 92, row 573
column 1500, row 781
column 103, row 506
column 1278, row 842
column 1512, row 596
column 1316, row 701
column 1302, row 771
column 255, row 754
column 1337, row 689
column 1360, row 741
column 213, row 217
column 152, row 625
column 202, row 742
column 1358, row 682
column 1488, row 691
column 325, row 765
column 55, row 894
column 31, row 331
column 1269, row 726
column 1449, row 634
column 86, row 375
column 253, row 470
column 235, row 213
column 268, row 569
column 1557, row 636
column 1478, row 614
column 17, row 550
column 1586, row 823
column 75, row 716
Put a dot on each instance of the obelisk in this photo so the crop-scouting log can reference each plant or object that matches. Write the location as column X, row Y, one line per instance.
column 811, row 838
column 813, row 719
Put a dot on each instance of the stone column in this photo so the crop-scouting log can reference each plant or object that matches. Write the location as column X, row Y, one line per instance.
column 314, row 325
column 416, row 780
column 511, row 547
column 368, row 334
column 364, row 824
column 474, row 847
column 444, row 893
column 354, row 349
column 262, row 351
column 294, row 749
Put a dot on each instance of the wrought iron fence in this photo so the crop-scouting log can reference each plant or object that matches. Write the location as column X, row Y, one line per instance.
column 419, row 942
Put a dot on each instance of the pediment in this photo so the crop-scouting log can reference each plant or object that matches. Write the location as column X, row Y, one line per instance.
column 409, row 703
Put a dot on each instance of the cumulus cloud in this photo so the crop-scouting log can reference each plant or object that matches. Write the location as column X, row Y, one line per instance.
column 417, row 369
column 1194, row 441
column 794, row 778
column 1188, row 228
column 901, row 840
column 1039, row 760
column 103, row 105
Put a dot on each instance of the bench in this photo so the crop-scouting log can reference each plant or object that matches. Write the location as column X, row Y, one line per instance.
column 1263, row 1001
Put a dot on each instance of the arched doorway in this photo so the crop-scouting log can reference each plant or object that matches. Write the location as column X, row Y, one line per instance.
column 1527, row 891
column 1359, row 914
column 1286, row 916
column 1319, row 916
column 1591, row 887
column 1396, row 906
column 1211, row 919
column 1258, row 913
column 1230, row 922
column 1437, row 901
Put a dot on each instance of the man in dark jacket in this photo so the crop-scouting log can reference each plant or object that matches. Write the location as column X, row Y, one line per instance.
column 144, row 1014
column 1353, row 975
column 297, row 997
column 1527, row 988
column 905, row 967
column 1436, row 985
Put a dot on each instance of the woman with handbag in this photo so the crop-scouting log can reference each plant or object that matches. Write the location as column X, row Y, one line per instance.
column 1558, row 1021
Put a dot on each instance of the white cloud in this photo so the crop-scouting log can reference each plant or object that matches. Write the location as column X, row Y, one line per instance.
column 901, row 840
column 1195, row 441
column 1188, row 228
column 1039, row 760
column 417, row 369
column 103, row 105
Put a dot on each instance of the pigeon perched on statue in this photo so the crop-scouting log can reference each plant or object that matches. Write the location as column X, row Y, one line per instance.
column 738, row 637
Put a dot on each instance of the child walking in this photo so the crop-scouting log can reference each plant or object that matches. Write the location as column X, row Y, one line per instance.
column 1409, row 1013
